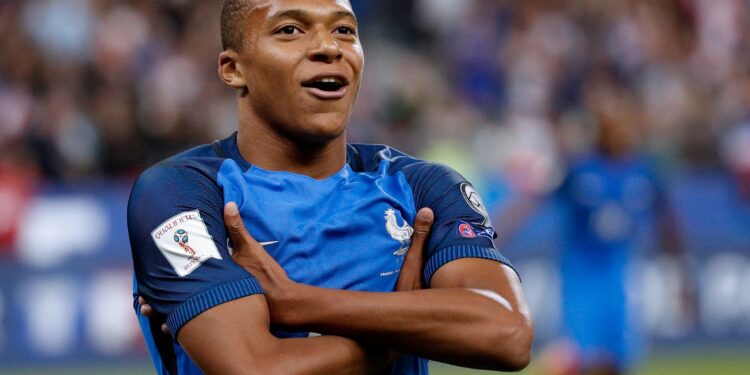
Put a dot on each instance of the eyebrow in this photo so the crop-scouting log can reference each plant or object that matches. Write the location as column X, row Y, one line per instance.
column 305, row 15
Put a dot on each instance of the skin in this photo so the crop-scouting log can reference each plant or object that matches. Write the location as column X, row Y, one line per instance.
column 283, row 50
column 235, row 338
column 474, row 315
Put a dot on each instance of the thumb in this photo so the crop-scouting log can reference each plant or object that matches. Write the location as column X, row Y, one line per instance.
column 410, row 277
column 422, row 225
column 235, row 225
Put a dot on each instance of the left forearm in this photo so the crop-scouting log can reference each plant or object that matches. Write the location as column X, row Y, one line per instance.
column 455, row 325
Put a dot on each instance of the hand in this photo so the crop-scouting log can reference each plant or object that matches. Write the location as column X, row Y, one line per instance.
column 410, row 277
column 149, row 312
column 249, row 254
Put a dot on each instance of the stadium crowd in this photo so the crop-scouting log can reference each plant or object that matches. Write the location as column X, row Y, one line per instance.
column 504, row 91
column 102, row 88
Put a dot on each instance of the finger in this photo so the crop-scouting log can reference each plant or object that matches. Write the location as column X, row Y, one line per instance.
column 242, row 240
column 235, row 225
column 146, row 310
column 422, row 226
column 165, row 329
column 410, row 277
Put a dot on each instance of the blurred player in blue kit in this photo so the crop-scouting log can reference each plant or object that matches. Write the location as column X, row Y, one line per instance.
column 606, row 203
column 342, row 230
column 609, row 199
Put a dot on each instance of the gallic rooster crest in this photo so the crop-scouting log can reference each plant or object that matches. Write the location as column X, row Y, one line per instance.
column 400, row 233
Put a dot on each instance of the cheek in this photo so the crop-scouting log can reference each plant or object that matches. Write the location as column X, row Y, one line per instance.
column 357, row 59
column 274, row 67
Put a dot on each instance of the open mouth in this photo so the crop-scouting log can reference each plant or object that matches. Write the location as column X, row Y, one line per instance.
column 326, row 84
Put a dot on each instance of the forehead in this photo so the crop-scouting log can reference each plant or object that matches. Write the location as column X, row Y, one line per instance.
column 267, row 9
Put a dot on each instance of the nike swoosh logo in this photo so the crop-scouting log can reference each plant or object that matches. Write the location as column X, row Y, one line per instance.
column 268, row 243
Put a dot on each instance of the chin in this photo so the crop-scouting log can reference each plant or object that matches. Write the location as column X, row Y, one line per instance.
column 321, row 128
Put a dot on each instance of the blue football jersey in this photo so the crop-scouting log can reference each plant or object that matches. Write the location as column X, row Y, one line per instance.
column 349, row 231
column 608, row 202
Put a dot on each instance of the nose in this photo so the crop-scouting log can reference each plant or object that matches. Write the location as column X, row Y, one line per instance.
column 326, row 48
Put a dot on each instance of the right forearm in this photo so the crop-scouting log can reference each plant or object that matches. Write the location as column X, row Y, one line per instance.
column 326, row 355
column 459, row 326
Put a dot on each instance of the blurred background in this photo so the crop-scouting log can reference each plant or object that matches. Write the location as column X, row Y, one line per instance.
column 610, row 140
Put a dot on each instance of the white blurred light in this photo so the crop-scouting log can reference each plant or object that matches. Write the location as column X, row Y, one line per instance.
column 443, row 14
column 110, row 320
column 611, row 222
column 721, row 281
column 51, row 312
column 541, row 285
column 54, row 229
column 661, row 287
column 62, row 28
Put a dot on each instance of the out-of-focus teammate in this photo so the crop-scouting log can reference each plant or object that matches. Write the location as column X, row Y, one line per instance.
column 333, row 221
column 607, row 202
column 609, row 199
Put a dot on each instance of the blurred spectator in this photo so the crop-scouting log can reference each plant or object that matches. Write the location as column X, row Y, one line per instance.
column 116, row 85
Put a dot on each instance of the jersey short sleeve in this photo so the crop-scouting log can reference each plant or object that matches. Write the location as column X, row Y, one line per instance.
column 462, row 227
column 179, row 242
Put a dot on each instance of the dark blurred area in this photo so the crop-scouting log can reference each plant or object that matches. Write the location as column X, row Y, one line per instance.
column 512, row 94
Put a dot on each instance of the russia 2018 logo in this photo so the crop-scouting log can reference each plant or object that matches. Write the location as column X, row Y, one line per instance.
column 181, row 237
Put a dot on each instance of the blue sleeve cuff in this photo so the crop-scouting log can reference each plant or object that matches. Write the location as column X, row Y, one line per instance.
column 452, row 253
column 210, row 298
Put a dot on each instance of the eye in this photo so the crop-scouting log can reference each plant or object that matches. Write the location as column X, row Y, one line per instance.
column 346, row 30
column 289, row 30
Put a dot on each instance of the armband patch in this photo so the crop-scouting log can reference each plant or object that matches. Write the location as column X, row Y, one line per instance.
column 185, row 242
column 474, row 201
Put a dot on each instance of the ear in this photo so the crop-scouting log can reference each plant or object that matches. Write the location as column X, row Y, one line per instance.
column 229, row 70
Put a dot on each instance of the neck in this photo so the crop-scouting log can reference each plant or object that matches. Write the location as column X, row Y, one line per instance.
column 263, row 146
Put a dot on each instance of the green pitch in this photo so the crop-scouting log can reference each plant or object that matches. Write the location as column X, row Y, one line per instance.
column 734, row 361
column 672, row 362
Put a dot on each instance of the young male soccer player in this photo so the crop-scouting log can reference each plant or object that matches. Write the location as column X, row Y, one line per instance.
column 336, row 217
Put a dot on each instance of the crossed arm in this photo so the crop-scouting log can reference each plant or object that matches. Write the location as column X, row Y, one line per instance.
column 474, row 315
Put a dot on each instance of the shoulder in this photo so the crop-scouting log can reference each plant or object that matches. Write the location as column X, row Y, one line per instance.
column 198, row 162
column 187, row 178
column 372, row 157
column 369, row 157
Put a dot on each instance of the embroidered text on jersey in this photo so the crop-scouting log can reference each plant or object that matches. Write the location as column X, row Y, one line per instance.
column 185, row 242
column 401, row 233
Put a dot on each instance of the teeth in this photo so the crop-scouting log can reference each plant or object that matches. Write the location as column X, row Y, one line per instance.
column 326, row 83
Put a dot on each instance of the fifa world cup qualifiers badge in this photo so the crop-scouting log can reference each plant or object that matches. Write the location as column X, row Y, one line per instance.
column 185, row 242
column 181, row 237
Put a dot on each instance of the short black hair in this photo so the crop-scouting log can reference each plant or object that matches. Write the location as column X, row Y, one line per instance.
column 233, row 13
